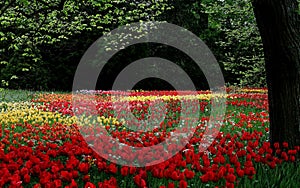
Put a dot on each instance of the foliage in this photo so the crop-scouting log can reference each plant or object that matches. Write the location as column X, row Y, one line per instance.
column 41, row 39
column 15, row 95
column 234, row 38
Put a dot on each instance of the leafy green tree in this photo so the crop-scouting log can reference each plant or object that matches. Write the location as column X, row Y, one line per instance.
column 233, row 36
column 43, row 41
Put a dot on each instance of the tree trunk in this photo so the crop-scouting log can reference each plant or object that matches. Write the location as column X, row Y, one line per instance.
column 279, row 25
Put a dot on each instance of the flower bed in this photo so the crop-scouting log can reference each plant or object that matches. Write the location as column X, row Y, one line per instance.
column 43, row 144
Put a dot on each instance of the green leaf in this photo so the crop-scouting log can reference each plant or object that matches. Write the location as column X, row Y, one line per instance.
column 13, row 77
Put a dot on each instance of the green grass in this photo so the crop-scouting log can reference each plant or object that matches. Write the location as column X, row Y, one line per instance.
column 283, row 175
column 15, row 95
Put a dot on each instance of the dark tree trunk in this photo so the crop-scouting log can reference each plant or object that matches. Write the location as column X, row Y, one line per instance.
column 279, row 25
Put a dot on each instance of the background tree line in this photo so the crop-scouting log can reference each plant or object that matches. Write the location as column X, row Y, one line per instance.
column 42, row 41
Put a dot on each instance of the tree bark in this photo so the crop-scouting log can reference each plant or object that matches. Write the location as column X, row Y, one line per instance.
column 279, row 25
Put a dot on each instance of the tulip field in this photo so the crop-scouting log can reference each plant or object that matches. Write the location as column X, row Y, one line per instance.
column 43, row 143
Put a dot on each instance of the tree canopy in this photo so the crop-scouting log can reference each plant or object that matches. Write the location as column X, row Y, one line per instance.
column 41, row 38
column 43, row 41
